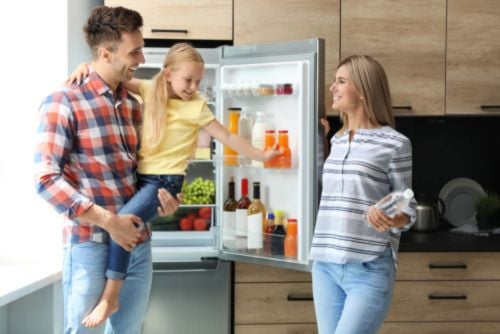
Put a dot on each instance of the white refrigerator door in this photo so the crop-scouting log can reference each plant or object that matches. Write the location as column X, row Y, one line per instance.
column 253, row 78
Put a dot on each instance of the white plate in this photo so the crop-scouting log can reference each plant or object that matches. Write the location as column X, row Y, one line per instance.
column 459, row 196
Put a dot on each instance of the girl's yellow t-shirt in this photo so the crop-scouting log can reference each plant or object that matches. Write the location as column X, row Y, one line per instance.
column 184, row 119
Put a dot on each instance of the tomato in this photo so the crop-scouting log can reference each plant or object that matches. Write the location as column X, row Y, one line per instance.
column 186, row 224
column 191, row 215
column 200, row 224
column 205, row 213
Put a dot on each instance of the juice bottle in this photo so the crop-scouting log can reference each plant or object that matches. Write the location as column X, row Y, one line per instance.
column 285, row 159
column 270, row 141
column 290, row 243
column 230, row 155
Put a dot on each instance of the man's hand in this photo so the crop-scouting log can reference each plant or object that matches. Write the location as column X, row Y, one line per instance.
column 125, row 230
column 382, row 222
column 168, row 203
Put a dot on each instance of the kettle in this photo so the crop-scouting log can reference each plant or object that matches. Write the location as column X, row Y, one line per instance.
column 430, row 210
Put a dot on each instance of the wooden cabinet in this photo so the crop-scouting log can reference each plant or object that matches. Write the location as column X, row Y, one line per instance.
column 272, row 301
column 446, row 293
column 261, row 21
column 408, row 38
column 473, row 57
column 185, row 20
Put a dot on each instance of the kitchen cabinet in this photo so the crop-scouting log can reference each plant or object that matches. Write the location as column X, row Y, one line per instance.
column 184, row 20
column 456, row 292
column 473, row 57
column 269, row 300
column 261, row 21
column 408, row 38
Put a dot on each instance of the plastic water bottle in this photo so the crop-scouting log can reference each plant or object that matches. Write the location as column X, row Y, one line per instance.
column 395, row 202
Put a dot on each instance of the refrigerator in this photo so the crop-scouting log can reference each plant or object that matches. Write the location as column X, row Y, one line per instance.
column 284, row 82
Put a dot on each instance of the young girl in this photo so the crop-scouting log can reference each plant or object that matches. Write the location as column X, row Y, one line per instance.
column 173, row 115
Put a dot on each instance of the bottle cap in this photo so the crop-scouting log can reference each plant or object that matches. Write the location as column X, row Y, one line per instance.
column 282, row 131
column 408, row 194
column 244, row 186
column 279, row 213
column 270, row 215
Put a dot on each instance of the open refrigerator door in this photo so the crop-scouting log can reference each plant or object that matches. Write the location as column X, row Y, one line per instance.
column 279, row 87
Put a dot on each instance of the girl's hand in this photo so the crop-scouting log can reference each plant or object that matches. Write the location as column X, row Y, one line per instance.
column 80, row 73
column 382, row 222
column 272, row 153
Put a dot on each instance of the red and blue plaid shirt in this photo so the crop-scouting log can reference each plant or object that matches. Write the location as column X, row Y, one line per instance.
column 86, row 149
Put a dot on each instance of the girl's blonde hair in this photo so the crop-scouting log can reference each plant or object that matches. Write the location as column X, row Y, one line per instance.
column 370, row 80
column 155, row 111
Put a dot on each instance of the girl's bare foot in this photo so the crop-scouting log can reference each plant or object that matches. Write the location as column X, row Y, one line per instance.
column 101, row 313
column 107, row 305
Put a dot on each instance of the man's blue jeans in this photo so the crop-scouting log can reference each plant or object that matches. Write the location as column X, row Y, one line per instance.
column 353, row 298
column 144, row 204
column 83, row 283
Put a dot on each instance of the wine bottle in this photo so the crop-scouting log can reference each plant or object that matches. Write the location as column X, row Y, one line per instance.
column 255, row 221
column 241, row 216
column 229, row 217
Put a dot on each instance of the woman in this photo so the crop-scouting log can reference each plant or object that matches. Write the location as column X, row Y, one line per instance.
column 355, row 259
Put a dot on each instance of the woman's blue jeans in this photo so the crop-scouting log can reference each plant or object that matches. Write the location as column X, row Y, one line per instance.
column 144, row 204
column 353, row 298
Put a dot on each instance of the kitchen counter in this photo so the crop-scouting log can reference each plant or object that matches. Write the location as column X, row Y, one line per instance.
column 445, row 241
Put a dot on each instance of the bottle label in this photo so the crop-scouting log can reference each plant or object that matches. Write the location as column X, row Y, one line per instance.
column 241, row 222
column 254, row 235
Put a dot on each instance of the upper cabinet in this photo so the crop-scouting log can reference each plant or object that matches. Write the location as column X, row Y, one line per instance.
column 408, row 38
column 186, row 20
column 261, row 21
column 473, row 57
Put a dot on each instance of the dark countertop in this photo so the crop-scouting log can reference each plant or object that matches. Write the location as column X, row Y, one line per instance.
column 445, row 241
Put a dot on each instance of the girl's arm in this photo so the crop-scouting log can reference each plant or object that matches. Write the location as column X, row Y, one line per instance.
column 218, row 131
column 82, row 71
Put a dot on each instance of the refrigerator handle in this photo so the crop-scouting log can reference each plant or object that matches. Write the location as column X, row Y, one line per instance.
column 205, row 264
column 299, row 297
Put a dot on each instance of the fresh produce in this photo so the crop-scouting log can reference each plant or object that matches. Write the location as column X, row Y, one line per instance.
column 205, row 213
column 200, row 224
column 186, row 224
column 198, row 191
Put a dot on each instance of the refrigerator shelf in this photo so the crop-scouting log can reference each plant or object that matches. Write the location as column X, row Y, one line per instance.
column 196, row 206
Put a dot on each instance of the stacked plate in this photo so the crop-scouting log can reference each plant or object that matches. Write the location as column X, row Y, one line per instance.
column 459, row 196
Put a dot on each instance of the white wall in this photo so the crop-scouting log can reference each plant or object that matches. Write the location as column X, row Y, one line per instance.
column 39, row 39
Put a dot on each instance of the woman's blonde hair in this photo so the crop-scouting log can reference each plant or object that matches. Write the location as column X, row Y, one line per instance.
column 155, row 111
column 370, row 80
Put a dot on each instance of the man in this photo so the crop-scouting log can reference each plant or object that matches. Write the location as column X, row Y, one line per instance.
column 85, row 164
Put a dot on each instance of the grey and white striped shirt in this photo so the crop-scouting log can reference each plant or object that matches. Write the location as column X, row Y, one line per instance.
column 356, row 175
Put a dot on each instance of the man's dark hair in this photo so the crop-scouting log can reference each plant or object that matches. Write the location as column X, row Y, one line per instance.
column 106, row 24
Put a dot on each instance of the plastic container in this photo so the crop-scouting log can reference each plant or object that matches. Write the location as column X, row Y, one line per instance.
column 290, row 243
column 395, row 202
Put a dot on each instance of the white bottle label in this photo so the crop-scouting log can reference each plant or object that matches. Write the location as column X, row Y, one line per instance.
column 254, row 235
column 241, row 222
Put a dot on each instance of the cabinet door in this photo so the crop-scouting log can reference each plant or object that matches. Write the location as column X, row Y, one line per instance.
column 473, row 57
column 261, row 21
column 408, row 38
column 186, row 20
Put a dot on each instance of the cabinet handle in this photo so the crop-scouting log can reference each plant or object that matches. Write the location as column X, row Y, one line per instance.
column 447, row 266
column 490, row 108
column 299, row 297
column 403, row 108
column 447, row 297
column 177, row 31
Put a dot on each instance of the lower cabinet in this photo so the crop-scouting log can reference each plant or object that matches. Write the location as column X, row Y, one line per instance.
column 435, row 293
column 441, row 293
column 272, row 301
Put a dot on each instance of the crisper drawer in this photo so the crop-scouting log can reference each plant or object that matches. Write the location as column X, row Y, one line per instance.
column 276, row 329
column 441, row 328
column 273, row 303
column 446, row 301
column 252, row 273
column 448, row 266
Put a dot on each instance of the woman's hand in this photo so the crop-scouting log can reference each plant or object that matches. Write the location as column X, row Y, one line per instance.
column 326, row 126
column 80, row 73
column 382, row 222
column 272, row 153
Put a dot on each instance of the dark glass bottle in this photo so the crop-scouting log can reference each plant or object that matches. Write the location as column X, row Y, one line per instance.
column 278, row 239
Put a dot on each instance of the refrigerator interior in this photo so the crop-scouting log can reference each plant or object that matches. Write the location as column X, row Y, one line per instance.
column 281, row 189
